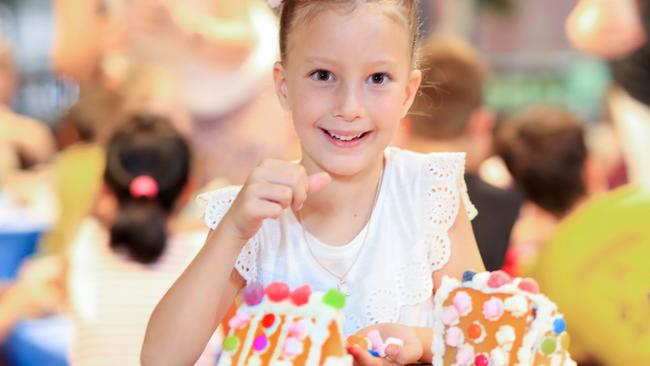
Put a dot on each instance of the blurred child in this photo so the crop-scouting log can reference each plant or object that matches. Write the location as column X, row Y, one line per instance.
column 382, row 225
column 449, row 115
column 123, row 261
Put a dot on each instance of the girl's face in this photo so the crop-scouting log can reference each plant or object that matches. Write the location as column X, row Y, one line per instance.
column 347, row 81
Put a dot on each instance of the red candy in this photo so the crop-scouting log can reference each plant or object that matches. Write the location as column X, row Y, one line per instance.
column 268, row 320
column 529, row 285
column 277, row 291
column 474, row 331
column 300, row 296
column 482, row 360
column 498, row 279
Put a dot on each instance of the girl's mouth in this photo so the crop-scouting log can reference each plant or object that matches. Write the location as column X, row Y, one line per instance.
column 345, row 139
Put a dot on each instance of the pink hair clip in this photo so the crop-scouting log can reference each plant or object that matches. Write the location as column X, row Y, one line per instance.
column 143, row 186
column 274, row 3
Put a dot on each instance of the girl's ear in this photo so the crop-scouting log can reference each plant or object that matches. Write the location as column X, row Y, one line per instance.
column 280, row 81
column 412, row 87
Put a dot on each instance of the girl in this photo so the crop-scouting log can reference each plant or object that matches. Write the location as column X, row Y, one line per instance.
column 121, row 264
column 383, row 225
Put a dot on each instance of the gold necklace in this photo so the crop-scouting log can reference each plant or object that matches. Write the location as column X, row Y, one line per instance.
column 342, row 284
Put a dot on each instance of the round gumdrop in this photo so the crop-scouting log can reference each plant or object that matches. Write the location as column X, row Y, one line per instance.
column 468, row 276
column 300, row 296
column 498, row 279
column 231, row 344
column 277, row 291
column 260, row 343
column 268, row 320
column 565, row 341
column 559, row 325
column 482, row 360
column 335, row 299
column 359, row 341
column 548, row 346
column 253, row 294
column 529, row 285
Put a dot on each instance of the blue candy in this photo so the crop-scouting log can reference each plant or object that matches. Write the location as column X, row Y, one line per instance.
column 468, row 276
column 559, row 325
column 373, row 352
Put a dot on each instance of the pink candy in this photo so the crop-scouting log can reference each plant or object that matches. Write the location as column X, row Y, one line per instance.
column 376, row 342
column 253, row 294
column 239, row 320
column 277, row 291
column 493, row 309
column 454, row 337
column 463, row 303
column 465, row 355
column 299, row 329
column 292, row 347
column 450, row 316
column 300, row 296
column 498, row 279
column 529, row 285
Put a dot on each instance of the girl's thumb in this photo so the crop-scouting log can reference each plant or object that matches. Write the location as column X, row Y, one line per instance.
column 318, row 181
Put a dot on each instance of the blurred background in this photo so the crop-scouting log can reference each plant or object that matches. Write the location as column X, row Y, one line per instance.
column 557, row 157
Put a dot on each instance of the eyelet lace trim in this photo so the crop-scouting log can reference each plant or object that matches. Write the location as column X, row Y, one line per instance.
column 216, row 204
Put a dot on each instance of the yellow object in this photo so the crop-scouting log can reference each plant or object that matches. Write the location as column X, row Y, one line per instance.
column 78, row 174
column 597, row 269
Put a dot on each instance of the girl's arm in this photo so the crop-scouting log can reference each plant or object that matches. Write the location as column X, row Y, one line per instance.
column 187, row 316
column 464, row 250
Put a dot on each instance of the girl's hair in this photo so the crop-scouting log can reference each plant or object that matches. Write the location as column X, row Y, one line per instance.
column 145, row 146
column 294, row 12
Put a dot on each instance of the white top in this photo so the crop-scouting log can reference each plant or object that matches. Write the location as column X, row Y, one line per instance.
column 392, row 279
column 112, row 297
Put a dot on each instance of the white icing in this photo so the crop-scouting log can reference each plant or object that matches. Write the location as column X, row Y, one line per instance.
column 346, row 360
column 498, row 357
column 248, row 342
column 254, row 360
column 505, row 335
column 517, row 305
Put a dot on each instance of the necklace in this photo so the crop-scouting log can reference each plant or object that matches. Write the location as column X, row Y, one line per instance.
column 342, row 284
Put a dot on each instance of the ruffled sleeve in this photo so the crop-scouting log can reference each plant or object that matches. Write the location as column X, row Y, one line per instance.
column 443, row 185
column 215, row 204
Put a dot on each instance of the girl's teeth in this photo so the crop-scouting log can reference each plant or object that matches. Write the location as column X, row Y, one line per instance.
column 345, row 138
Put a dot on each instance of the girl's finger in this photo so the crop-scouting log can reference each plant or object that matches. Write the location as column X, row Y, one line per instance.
column 403, row 355
column 318, row 181
column 279, row 194
column 363, row 357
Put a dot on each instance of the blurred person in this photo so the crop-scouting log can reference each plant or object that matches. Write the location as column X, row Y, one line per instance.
column 125, row 258
column 449, row 115
column 24, row 142
column 593, row 261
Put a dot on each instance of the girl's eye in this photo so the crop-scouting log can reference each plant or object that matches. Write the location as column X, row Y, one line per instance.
column 378, row 78
column 322, row 75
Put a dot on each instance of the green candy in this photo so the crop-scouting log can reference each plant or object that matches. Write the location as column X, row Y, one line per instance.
column 231, row 343
column 335, row 299
column 548, row 346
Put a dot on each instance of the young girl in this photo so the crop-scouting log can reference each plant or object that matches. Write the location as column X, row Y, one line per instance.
column 383, row 225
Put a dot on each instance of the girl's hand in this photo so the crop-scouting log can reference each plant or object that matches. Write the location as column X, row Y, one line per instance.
column 410, row 352
column 271, row 188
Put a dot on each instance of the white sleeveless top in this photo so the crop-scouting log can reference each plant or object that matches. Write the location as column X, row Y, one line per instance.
column 392, row 278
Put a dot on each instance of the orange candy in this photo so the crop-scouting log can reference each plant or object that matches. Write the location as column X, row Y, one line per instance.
column 359, row 341
column 474, row 331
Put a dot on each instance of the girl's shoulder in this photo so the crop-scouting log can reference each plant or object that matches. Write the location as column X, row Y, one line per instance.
column 436, row 165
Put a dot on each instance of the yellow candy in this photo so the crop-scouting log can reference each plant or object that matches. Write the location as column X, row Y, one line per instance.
column 358, row 341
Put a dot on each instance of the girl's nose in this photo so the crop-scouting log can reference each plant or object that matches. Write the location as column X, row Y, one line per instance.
column 350, row 107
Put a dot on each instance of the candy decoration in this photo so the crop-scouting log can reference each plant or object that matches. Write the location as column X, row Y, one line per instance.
column 356, row 340
column 498, row 279
column 465, row 355
column 517, row 305
column 335, row 299
column 396, row 341
column 268, row 320
column 260, row 343
column 300, row 296
column 299, row 329
column 493, row 309
column 373, row 353
column 463, row 303
column 474, row 331
column 254, row 294
column 277, row 291
column 565, row 341
column 559, row 325
column 231, row 344
column 292, row 347
column 505, row 335
column 548, row 346
column 482, row 360
column 450, row 316
column 376, row 342
column 529, row 285
column 454, row 337
column 468, row 276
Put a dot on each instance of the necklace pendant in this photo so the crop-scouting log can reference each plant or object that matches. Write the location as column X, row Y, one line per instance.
column 344, row 288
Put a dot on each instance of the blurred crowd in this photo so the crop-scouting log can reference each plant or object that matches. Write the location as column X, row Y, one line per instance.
column 184, row 89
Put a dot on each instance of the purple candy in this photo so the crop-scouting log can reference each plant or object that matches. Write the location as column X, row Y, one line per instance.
column 254, row 294
column 260, row 343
